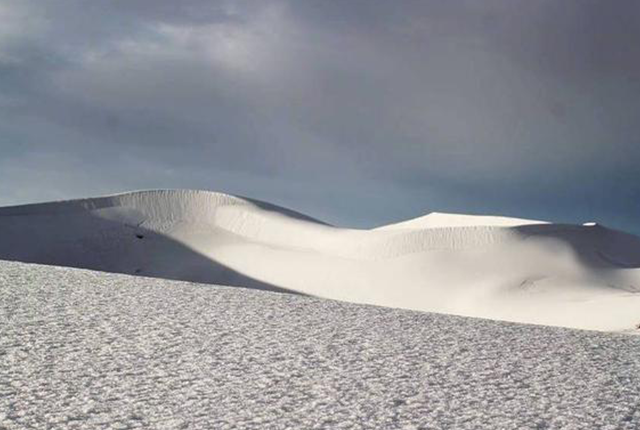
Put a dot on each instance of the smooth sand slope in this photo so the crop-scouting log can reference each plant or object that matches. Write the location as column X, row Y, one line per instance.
column 94, row 350
column 494, row 267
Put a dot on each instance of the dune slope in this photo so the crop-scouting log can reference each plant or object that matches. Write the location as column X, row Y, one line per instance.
column 583, row 276
column 84, row 349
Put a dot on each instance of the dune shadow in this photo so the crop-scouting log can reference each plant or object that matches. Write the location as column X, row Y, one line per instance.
column 85, row 240
column 596, row 246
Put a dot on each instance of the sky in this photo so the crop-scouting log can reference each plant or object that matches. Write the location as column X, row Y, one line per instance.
column 356, row 112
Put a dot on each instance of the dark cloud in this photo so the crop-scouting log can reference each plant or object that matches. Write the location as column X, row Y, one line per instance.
column 359, row 111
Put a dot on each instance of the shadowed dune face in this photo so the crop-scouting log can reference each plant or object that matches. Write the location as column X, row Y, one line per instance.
column 113, row 247
column 83, row 238
column 518, row 270
column 598, row 247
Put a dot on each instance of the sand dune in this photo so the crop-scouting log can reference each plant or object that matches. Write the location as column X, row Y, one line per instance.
column 438, row 219
column 582, row 276
column 94, row 350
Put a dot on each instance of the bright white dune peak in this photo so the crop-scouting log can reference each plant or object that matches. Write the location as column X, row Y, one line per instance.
column 439, row 219
column 494, row 267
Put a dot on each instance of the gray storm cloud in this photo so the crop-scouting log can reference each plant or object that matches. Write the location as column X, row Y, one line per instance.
column 358, row 111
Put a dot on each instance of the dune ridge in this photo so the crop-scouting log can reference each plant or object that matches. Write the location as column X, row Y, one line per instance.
column 582, row 276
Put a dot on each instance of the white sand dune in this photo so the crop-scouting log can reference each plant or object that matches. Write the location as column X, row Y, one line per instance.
column 582, row 276
column 93, row 350
column 438, row 219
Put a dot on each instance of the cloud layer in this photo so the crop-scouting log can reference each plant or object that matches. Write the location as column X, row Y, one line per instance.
column 360, row 112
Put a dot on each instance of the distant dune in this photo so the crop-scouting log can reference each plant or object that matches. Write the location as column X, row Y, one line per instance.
column 581, row 276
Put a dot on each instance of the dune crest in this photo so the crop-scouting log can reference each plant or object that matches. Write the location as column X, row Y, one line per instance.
column 441, row 219
column 582, row 276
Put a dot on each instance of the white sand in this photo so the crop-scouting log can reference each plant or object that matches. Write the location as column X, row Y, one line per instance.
column 494, row 267
column 438, row 220
column 93, row 350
